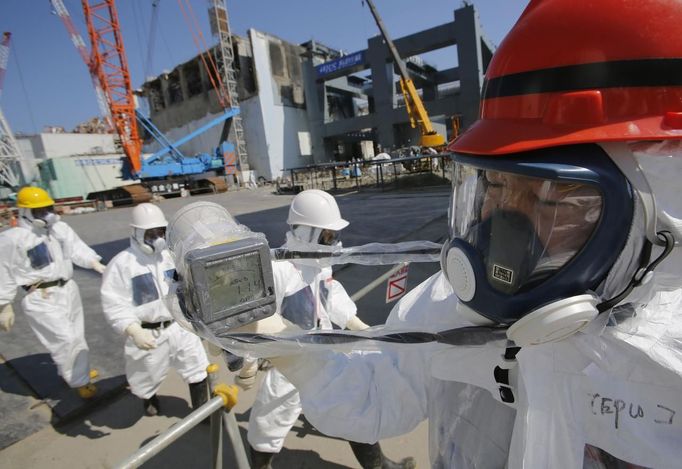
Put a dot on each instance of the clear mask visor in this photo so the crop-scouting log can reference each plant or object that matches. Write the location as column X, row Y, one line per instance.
column 523, row 228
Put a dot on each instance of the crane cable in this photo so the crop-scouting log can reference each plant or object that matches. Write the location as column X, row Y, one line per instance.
column 23, row 83
column 204, row 53
column 151, row 42
column 221, row 86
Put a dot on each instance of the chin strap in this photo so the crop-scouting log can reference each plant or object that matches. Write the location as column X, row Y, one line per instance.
column 645, row 271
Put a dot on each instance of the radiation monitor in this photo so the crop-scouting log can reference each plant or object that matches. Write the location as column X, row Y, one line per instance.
column 231, row 284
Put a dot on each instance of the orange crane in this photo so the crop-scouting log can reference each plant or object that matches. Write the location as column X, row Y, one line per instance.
column 60, row 10
column 109, row 63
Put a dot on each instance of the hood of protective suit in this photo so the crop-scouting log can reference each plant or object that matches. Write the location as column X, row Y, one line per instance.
column 661, row 164
column 292, row 243
column 39, row 226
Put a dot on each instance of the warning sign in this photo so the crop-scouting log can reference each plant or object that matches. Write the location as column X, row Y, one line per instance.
column 397, row 284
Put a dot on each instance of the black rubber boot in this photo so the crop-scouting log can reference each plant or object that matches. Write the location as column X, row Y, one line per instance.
column 151, row 406
column 371, row 457
column 259, row 459
column 198, row 393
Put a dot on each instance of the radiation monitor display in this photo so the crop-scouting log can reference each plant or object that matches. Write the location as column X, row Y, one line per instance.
column 232, row 283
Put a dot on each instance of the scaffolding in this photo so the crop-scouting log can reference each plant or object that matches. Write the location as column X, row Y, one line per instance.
column 220, row 27
column 9, row 150
column 9, row 155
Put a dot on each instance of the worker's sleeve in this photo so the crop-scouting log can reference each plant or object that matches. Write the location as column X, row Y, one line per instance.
column 287, row 280
column 80, row 253
column 362, row 397
column 343, row 309
column 117, row 296
column 8, row 256
column 368, row 396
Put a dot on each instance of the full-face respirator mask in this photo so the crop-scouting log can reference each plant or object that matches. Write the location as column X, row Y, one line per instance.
column 532, row 236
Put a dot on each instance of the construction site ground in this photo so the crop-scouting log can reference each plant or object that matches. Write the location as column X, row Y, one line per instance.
column 45, row 424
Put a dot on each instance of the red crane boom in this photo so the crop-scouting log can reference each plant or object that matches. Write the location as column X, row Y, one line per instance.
column 109, row 63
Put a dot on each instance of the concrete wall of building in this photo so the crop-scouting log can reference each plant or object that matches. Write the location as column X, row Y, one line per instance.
column 28, row 163
column 57, row 145
column 78, row 176
column 271, row 128
column 72, row 165
column 39, row 148
column 272, row 118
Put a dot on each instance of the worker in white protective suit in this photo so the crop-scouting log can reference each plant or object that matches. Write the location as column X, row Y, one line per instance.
column 563, row 259
column 310, row 299
column 133, row 287
column 37, row 257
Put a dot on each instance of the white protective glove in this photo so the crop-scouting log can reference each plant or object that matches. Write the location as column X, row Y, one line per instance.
column 356, row 324
column 6, row 317
column 247, row 375
column 143, row 338
column 98, row 267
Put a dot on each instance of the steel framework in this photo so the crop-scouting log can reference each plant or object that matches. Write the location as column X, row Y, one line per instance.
column 63, row 14
column 111, row 67
column 9, row 150
column 220, row 27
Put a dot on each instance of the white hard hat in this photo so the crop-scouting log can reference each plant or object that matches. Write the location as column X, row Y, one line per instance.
column 147, row 216
column 316, row 208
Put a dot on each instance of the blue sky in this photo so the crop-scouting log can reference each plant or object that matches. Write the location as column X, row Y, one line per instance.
column 48, row 84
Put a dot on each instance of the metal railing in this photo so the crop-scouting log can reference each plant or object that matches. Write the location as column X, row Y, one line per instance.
column 377, row 173
column 218, row 410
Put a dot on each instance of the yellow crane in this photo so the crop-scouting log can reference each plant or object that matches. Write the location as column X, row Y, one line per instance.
column 413, row 103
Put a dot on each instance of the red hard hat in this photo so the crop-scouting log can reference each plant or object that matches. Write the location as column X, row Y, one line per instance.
column 582, row 71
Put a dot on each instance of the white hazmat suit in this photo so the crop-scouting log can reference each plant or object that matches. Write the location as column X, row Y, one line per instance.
column 608, row 393
column 308, row 297
column 34, row 256
column 133, row 287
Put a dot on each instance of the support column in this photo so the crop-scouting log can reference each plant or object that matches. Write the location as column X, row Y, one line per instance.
column 315, row 111
column 470, row 59
column 383, row 90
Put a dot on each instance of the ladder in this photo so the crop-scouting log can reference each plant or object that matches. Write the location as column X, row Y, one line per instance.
column 220, row 27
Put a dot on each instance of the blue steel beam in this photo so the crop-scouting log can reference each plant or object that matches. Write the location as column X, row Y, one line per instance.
column 223, row 117
column 158, row 136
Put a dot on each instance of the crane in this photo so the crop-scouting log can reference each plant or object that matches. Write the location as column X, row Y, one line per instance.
column 166, row 170
column 9, row 150
column 110, row 65
column 413, row 103
column 60, row 10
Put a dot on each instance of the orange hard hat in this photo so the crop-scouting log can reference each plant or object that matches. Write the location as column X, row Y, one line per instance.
column 577, row 72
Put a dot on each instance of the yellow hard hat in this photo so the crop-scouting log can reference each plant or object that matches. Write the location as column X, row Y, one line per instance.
column 33, row 197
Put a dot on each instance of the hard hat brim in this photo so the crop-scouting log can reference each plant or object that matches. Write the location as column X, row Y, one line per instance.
column 339, row 225
column 47, row 203
column 148, row 226
column 504, row 136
